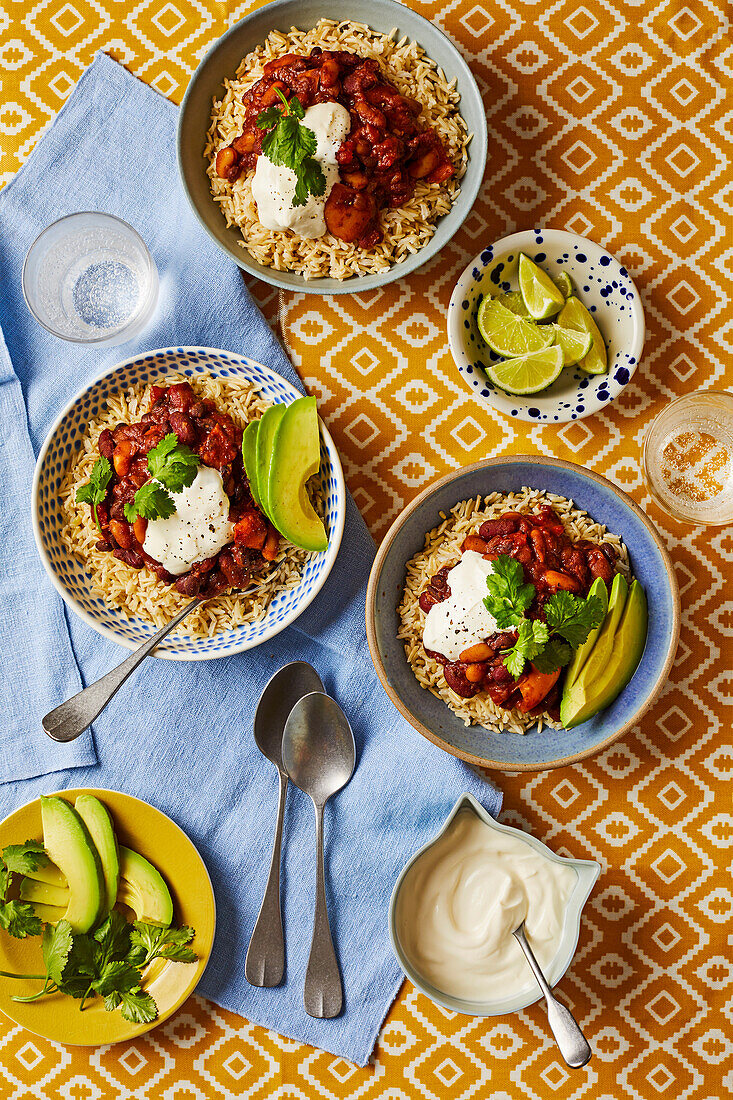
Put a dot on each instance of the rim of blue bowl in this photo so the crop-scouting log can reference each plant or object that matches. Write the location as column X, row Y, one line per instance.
column 105, row 631
column 355, row 284
column 588, row 872
column 516, row 242
column 373, row 596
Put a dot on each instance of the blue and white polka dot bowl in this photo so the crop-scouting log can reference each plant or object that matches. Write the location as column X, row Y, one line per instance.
column 69, row 575
column 602, row 284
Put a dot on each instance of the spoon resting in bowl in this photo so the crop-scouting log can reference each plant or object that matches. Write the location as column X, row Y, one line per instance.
column 571, row 1041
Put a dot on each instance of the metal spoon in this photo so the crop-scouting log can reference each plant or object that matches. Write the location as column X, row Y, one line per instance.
column 570, row 1039
column 68, row 720
column 265, row 962
column 319, row 755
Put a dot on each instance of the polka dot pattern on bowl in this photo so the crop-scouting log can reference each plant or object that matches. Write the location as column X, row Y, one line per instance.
column 600, row 282
column 69, row 575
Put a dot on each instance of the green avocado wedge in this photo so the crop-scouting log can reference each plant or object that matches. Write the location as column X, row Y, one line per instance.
column 599, row 589
column 97, row 820
column 48, row 914
column 296, row 457
column 574, row 695
column 50, row 874
column 628, row 646
column 265, row 446
column 143, row 889
column 43, row 893
column 70, row 846
column 249, row 454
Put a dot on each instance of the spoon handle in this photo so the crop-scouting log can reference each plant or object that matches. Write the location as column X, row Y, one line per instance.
column 571, row 1041
column 265, row 962
column 71, row 718
column 323, row 995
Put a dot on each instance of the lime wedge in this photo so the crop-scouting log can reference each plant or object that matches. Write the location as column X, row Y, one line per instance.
column 576, row 316
column 564, row 283
column 574, row 344
column 507, row 334
column 514, row 301
column 528, row 373
column 541, row 297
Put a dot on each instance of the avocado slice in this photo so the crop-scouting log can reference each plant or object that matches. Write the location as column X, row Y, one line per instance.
column 598, row 588
column 249, row 454
column 43, row 893
column 574, row 696
column 265, row 438
column 50, row 874
column 97, row 820
column 69, row 845
column 628, row 646
column 143, row 889
column 296, row 457
column 49, row 914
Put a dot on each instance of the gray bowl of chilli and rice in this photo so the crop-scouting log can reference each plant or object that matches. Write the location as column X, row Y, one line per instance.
column 428, row 534
column 408, row 233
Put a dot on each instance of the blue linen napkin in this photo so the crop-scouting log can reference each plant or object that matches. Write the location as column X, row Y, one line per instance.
column 179, row 735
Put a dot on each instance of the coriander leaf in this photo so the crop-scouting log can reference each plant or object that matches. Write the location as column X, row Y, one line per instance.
column 117, row 977
column 531, row 638
column 95, row 490
column 176, row 952
column 4, row 880
column 573, row 617
column 269, row 117
column 295, row 107
column 172, row 464
column 137, row 1007
column 113, row 936
column 56, row 946
column 146, row 936
column 18, row 918
column 22, row 858
column 508, row 597
column 152, row 501
column 556, row 654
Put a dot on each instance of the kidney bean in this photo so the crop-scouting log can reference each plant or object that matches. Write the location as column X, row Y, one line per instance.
column 455, row 678
column 106, row 444
column 505, row 640
column 427, row 600
column 184, row 428
column 102, row 545
column 129, row 557
column 499, row 673
column 188, row 585
column 505, row 525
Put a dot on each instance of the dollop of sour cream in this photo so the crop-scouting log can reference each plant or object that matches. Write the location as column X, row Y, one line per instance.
column 462, row 619
column 273, row 186
column 198, row 528
column 461, row 900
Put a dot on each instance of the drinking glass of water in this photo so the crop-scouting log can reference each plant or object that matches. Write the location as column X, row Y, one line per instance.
column 688, row 457
column 90, row 278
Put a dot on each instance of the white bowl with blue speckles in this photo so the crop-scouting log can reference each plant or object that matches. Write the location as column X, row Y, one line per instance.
column 69, row 575
column 602, row 284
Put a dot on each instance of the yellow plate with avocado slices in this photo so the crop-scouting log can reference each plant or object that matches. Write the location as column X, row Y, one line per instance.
column 145, row 830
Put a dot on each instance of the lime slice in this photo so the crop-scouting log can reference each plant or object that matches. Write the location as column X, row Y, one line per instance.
column 564, row 283
column 507, row 334
column 514, row 301
column 574, row 344
column 541, row 297
column 528, row 373
column 576, row 316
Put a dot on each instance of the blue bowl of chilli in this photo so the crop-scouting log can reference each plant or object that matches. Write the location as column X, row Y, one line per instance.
column 78, row 581
column 535, row 749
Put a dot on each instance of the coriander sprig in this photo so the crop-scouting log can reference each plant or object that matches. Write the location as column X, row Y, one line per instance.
column 18, row 918
column 291, row 145
column 95, row 490
column 549, row 645
column 173, row 467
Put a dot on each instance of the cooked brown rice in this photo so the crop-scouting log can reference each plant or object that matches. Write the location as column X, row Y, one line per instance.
column 443, row 547
column 138, row 592
column 406, row 228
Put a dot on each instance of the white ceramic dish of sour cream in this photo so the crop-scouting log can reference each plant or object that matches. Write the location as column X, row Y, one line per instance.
column 585, row 873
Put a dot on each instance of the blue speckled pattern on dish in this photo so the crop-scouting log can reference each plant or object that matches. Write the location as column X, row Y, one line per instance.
column 68, row 574
column 599, row 281
column 649, row 563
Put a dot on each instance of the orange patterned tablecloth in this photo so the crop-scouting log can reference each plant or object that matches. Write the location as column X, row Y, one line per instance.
column 608, row 118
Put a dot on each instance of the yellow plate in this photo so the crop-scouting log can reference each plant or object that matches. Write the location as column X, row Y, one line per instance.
column 148, row 831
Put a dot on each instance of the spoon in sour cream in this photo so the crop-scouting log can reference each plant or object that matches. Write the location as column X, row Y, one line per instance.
column 68, row 720
column 571, row 1041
